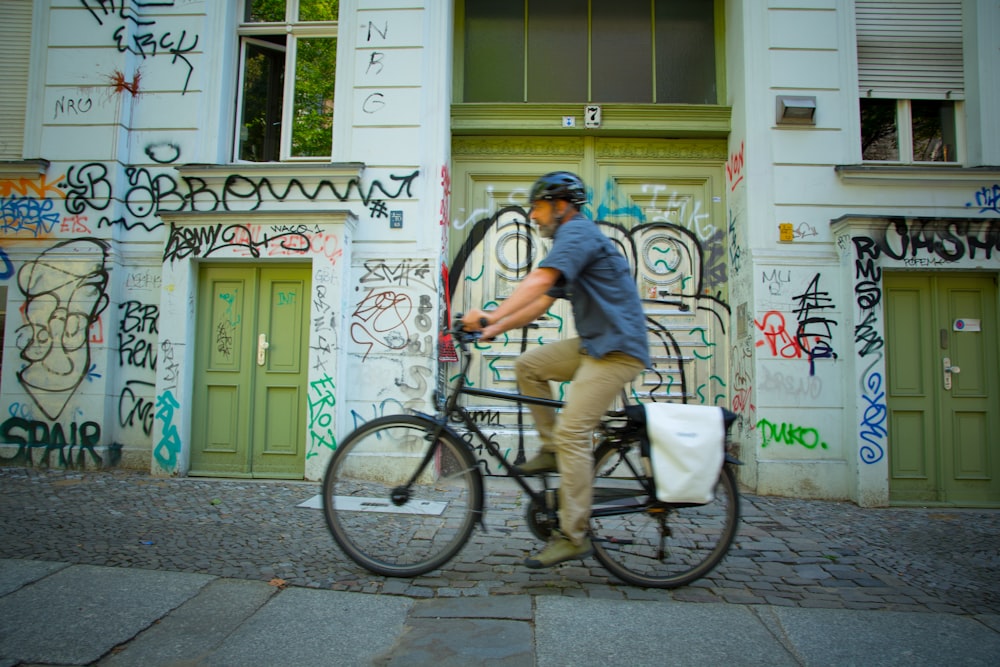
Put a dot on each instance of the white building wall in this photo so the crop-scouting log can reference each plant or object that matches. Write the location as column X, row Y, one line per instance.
column 122, row 100
column 813, row 429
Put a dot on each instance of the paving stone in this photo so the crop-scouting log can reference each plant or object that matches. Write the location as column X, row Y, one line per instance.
column 788, row 550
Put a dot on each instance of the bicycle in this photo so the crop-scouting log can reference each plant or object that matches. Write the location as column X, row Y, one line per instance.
column 402, row 495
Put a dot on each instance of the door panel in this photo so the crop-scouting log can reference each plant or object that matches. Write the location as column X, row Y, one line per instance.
column 281, row 381
column 222, row 372
column 941, row 449
column 249, row 411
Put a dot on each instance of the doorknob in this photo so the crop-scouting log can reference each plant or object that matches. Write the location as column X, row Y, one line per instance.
column 948, row 370
column 262, row 346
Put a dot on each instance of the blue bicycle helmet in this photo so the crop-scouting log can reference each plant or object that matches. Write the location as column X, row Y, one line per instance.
column 559, row 185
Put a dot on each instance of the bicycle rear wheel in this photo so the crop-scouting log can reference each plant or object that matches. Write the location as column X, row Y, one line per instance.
column 653, row 544
column 382, row 520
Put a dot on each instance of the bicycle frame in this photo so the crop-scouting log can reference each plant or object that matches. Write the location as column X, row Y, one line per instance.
column 452, row 408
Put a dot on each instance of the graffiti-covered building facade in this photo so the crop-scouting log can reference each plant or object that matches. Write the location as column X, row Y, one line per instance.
column 233, row 231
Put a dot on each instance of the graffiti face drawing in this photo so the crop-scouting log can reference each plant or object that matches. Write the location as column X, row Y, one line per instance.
column 64, row 290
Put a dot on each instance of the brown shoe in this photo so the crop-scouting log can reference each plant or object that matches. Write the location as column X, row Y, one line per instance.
column 558, row 550
column 542, row 463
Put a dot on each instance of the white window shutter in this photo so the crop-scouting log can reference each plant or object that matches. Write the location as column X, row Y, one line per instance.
column 910, row 49
column 15, row 50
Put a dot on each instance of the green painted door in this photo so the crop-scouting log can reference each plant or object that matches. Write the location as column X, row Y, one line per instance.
column 943, row 369
column 251, row 372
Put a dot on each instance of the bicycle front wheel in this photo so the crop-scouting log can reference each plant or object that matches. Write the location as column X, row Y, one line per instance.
column 394, row 506
column 648, row 543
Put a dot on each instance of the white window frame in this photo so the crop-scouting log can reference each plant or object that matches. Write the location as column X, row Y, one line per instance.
column 904, row 134
column 294, row 30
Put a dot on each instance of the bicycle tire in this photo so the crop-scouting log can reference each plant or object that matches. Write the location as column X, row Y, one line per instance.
column 410, row 534
column 659, row 545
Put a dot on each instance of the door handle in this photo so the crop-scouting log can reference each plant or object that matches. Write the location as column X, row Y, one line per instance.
column 948, row 370
column 262, row 346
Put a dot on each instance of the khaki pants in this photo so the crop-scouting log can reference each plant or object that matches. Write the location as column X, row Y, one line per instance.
column 596, row 383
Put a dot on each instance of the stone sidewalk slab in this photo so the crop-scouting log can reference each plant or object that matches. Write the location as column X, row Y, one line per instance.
column 78, row 613
column 307, row 628
column 884, row 638
column 197, row 627
column 654, row 634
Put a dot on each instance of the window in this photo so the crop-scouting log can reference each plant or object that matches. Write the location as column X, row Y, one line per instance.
column 911, row 80
column 558, row 51
column 908, row 130
column 286, row 117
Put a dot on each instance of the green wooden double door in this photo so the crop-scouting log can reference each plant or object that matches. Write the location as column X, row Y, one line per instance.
column 944, row 388
column 251, row 371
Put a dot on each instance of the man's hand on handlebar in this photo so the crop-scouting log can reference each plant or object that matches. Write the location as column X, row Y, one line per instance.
column 478, row 320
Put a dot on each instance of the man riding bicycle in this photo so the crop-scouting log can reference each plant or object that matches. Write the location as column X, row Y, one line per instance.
column 610, row 350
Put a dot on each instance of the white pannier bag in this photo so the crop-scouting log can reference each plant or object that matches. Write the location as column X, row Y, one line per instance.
column 687, row 449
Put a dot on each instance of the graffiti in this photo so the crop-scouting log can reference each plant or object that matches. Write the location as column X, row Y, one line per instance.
column 63, row 300
column 789, row 434
column 808, row 387
column 873, row 431
column 987, row 199
column 171, row 366
column 120, row 83
column 169, row 446
column 74, row 224
column 143, row 280
column 37, row 188
column 816, row 327
column 87, row 187
column 804, row 230
column 776, row 336
column 321, row 416
column 735, row 250
column 33, row 434
column 185, row 242
column 949, row 240
column 776, row 280
column 76, row 106
column 6, row 267
column 402, row 274
column 734, row 168
column 138, row 319
column 867, row 332
column 134, row 409
column 30, row 217
column 381, row 321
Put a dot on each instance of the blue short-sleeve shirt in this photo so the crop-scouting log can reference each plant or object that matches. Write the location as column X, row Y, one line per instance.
column 599, row 285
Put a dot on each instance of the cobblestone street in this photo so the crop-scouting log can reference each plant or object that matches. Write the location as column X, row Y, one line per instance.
column 788, row 552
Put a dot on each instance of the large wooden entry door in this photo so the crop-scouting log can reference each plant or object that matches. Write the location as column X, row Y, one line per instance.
column 251, row 371
column 943, row 368
column 661, row 203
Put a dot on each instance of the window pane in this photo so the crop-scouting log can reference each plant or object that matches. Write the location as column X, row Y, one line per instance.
column 933, row 131
column 264, row 11
column 557, row 51
column 879, row 134
column 318, row 10
column 260, row 124
column 312, row 117
column 685, row 52
column 621, row 74
column 494, row 51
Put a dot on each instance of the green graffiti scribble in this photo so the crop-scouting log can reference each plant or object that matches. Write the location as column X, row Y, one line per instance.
column 684, row 281
column 789, row 434
column 717, row 379
column 468, row 382
column 561, row 320
column 704, row 336
column 482, row 270
column 701, row 395
column 562, row 390
column 496, row 373
column 703, row 357
column 719, row 397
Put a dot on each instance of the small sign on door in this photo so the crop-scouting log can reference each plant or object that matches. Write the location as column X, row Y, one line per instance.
column 963, row 324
